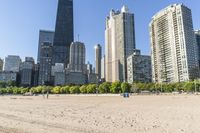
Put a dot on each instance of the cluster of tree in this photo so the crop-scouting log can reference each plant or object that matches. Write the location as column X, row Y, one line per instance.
column 115, row 88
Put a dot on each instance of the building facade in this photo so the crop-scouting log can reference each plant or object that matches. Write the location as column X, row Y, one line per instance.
column 120, row 42
column 98, row 56
column 139, row 68
column 173, row 48
column 64, row 32
column 197, row 36
column 77, row 57
column 44, row 36
column 8, row 76
column 27, row 72
column 103, row 68
column 1, row 64
column 45, row 64
column 12, row 63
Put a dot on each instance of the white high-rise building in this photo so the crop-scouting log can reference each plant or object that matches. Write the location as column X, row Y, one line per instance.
column 12, row 63
column 103, row 68
column 173, row 46
column 119, row 43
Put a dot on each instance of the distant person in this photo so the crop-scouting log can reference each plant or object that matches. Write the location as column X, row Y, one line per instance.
column 47, row 94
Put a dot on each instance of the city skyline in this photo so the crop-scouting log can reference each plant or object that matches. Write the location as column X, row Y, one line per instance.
column 20, row 30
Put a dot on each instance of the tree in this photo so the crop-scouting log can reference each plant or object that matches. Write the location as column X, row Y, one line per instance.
column 16, row 91
column 65, row 90
column 91, row 88
column 56, row 90
column 74, row 90
column 189, row 87
column 83, row 89
column 115, row 87
column 23, row 90
column 126, row 87
column 104, row 88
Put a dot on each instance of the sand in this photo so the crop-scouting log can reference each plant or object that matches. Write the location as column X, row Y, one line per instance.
column 100, row 114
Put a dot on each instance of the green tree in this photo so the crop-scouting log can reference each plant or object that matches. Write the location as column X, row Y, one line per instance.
column 83, row 89
column 116, row 87
column 126, row 87
column 16, row 90
column 74, row 90
column 189, row 87
column 56, row 90
column 91, row 88
column 104, row 88
column 23, row 90
column 65, row 90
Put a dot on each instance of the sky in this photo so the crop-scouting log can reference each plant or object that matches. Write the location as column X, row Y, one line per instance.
column 21, row 20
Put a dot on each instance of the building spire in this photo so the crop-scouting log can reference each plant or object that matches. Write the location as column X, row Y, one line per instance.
column 124, row 9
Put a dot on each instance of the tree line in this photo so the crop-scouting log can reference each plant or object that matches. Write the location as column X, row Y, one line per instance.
column 115, row 88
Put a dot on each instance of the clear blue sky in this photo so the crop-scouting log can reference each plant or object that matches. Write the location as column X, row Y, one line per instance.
column 20, row 21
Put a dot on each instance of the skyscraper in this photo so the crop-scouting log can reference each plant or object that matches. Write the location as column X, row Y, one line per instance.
column 173, row 45
column 12, row 63
column 64, row 32
column 1, row 64
column 139, row 68
column 27, row 72
column 197, row 36
column 120, row 42
column 77, row 57
column 44, row 36
column 103, row 68
column 98, row 56
column 45, row 64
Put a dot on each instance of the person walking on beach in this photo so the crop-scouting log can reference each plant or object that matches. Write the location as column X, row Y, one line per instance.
column 47, row 94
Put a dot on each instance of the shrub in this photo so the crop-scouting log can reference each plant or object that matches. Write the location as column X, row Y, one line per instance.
column 104, row 88
column 116, row 87
column 74, row 90
column 65, row 90
column 126, row 87
column 56, row 90
column 91, row 88
column 83, row 89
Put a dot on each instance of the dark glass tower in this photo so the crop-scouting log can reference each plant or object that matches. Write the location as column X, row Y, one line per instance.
column 64, row 32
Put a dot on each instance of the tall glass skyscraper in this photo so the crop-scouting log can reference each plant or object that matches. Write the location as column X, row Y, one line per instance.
column 64, row 32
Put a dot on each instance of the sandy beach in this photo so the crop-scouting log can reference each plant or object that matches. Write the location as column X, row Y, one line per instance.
column 100, row 114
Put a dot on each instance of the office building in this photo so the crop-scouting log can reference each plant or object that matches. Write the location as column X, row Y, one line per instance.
column 103, row 68
column 36, row 74
column 173, row 45
column 120, row 42
column 76, row 78
column 45, row 64
column 197, row 36
column 12, row 63
column 1, row 64
column 27, row 72
column 8, row 76
column 64, row 32
column 98, row 56
column 89, row 68
column 44, row 36
column 139, row 68
column 58, row 72
column 77, row 57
